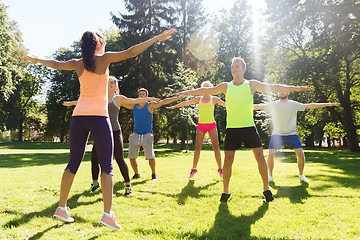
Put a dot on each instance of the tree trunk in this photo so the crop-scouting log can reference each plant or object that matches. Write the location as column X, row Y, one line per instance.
column 309, row 141
column 20, row 136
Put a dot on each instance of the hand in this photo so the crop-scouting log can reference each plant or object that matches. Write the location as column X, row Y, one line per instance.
column 303, row 88
column 31, row 59
column 165, row 35
column 152, row 99
column 334, row 104
column 171, row 107
column 67, row 104
column 180, row 93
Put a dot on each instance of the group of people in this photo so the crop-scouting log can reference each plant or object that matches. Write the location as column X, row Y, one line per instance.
column 97, row 111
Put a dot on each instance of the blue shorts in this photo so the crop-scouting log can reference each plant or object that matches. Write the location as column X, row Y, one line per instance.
column 292, row 141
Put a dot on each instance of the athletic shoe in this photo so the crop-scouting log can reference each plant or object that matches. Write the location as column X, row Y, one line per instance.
column 268, row 196
column 136, row 176
column 192, row 172
column 110, row 221
column 154, row 177
column 220, row 172
column 270, row 178
column 63, row 215
column 94, row 188
column 225, row 197
column 303, row 178
column 128, row 190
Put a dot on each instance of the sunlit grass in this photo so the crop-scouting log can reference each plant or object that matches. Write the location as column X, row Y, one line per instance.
column 174, row 207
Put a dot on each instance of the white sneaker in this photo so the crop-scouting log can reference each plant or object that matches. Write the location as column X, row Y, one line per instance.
column 270, row 178
column 63, row 215
column 303, row 178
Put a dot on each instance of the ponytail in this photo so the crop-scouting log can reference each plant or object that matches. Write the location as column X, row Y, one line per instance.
column 88, row 44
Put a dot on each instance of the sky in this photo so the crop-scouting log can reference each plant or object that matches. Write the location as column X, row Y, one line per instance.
column 48, row 25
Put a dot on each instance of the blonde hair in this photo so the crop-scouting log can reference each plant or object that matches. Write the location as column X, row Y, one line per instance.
column 207, row 83
column 117, row 90
column 239, row 59
column 144, row 90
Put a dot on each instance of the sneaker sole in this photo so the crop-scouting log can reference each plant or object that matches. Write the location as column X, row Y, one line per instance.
column 63, row 219
column 109, row 225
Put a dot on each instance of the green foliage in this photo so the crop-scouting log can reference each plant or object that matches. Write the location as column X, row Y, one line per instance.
column 64, row 86
column 316, row 43
column 11, row 50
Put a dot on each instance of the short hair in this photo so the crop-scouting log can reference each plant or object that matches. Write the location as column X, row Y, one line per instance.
column 239, row 59
column 207, row 82
column 144, row 90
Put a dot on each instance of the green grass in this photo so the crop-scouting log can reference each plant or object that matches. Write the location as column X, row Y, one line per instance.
column 174, row 207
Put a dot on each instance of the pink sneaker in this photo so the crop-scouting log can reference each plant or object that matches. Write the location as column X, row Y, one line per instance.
column 220, row 172
column 63, row 215
column 110, row 221
column 192, row 173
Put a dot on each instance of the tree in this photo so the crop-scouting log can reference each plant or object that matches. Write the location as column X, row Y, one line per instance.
column 319, row 44
column 64, row 86
column 11, row 64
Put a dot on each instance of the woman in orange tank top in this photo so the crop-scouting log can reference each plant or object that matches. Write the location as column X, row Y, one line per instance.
column 90, row 114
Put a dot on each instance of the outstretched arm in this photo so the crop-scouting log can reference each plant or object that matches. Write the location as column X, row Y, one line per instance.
column 121, row 100
column 258, row 107
column 219, row 101
column 70, row 103
column 186, row 103
column 165, row 101
column 110, row 57
column 62, row 65
column 257, row 86
column 221, row 88
column 320, row 105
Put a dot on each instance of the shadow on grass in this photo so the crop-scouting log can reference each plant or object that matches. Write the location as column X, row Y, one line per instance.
column 34, row 145
column 188, row 191
column 120, row 185
column 295, row 194
column 337, row 159
column 73, row 202
column 226, row 226
column 35, row 159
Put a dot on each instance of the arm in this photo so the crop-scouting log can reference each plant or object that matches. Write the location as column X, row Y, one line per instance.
column 110, row 57
column 61, row 65
column 258, row 107
column 221, row 88
column 320, row 105
column 165, row 101
column 70, row 103
column 219, row 101
column 121, row 100
column 186, row 103
column 257, row 86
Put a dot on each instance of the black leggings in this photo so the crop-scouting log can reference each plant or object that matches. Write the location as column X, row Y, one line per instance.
column 119, row 157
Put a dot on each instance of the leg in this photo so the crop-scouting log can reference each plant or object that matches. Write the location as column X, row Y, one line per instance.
column 300, row 160
column 78, row 139
column 270, row 161
column 215, row 145
column 119, row 156
column 227, row 169
column 262, row 167
column 134, row 165
column 152, row 165
column 66, row 183
column 107, row 186
column 198, row 145
column 94, row 166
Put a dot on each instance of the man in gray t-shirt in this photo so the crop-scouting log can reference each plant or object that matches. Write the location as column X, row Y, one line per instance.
column 284, row 113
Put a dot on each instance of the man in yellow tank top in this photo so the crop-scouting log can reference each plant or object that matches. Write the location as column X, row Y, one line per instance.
column 240, row 127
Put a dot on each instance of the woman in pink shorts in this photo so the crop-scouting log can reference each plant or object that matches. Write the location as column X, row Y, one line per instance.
column 206, row 124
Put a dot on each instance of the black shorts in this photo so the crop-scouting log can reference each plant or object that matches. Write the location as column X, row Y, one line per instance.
column 235, row 137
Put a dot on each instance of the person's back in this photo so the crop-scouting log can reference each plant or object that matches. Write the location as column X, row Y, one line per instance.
column 93, row 98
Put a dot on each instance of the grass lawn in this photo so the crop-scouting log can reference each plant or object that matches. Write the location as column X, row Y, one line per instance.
column 174, row 207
